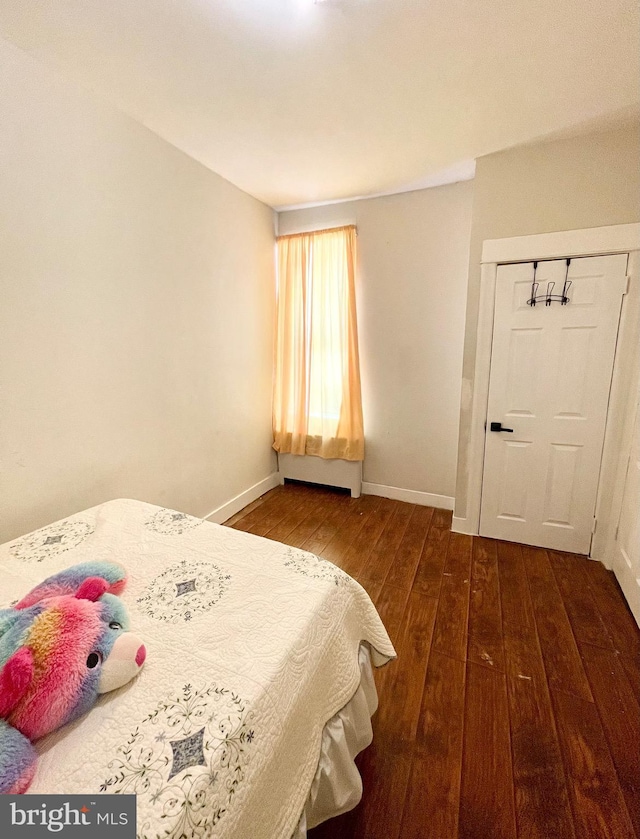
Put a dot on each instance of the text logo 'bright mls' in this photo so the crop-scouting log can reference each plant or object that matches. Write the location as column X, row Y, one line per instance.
column 32, row 816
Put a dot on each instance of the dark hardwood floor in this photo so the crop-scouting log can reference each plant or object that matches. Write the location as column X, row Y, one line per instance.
column 513, row 708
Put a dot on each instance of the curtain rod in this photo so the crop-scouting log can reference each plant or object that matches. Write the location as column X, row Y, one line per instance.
column 323, row 230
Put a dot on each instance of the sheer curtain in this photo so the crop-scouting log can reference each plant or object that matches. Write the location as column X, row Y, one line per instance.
column 317, row 405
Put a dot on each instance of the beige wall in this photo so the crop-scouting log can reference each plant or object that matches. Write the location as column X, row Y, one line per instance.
column 411, row 285
column 587, row 181
column 135, row 313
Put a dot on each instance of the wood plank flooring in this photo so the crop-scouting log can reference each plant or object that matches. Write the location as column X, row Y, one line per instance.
column 513, row 710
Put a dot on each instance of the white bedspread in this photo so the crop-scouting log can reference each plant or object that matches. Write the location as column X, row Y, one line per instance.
column 252, row 647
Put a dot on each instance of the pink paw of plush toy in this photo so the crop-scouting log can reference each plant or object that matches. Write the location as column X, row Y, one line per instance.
column 61, row 646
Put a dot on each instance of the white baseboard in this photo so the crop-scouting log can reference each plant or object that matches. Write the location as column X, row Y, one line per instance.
column 462, row 525
column 412, row 496
column 236, row 504
column 604, row 556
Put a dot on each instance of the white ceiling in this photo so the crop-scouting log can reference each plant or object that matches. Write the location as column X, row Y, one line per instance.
column 301, row 102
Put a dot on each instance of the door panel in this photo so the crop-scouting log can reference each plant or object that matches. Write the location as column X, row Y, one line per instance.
column 551, row 372
column 524, row 355
column 513, row 492
column 576, row 352
column 561, row 485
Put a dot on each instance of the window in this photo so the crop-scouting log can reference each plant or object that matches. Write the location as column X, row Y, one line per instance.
column 317, row 406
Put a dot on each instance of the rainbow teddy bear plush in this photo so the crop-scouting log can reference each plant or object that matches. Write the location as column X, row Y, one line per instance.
column 61, row 646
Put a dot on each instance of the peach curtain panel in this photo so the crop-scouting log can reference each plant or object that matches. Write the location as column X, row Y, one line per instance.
column 317, row 404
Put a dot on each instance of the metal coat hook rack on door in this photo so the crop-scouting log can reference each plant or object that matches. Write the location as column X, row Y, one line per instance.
column 549, row 297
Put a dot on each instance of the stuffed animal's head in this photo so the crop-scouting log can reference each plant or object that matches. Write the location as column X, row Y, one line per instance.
column 62, row 645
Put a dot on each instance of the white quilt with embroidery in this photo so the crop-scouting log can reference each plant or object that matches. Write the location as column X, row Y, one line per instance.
column 252, row 647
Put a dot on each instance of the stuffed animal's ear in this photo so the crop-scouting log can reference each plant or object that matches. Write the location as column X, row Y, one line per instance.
column 72, row 580
column 15, row 678
column 92, row 589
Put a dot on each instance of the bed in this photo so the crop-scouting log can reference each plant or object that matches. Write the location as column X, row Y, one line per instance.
column 257, row 691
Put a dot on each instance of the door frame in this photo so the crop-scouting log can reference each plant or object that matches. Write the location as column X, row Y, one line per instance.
column 594, row 241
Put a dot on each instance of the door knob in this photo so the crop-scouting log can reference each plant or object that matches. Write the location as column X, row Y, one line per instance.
column 497, row 426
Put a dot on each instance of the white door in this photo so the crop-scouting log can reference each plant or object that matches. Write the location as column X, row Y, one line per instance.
column 550, row 376
column 626, row 555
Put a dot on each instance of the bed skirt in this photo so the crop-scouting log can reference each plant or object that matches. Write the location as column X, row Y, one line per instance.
column 337, row 785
